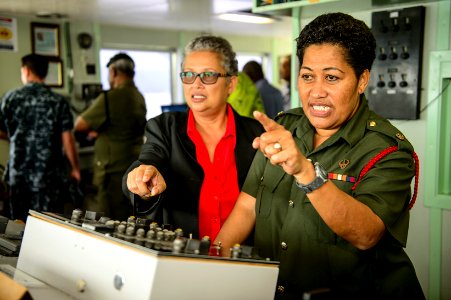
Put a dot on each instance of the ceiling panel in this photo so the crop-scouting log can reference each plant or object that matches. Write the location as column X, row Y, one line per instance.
column 190, row 15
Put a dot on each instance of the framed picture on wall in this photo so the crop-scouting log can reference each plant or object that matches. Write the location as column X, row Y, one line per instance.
column 55, row 74
column 45, row 39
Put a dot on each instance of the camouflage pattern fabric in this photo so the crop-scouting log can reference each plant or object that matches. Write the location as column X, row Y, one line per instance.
column 34, row 119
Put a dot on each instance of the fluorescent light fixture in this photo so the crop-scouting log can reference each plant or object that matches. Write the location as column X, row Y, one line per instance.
column 246, row 18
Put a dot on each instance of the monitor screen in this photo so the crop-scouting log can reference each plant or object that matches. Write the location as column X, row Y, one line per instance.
column 174, row 107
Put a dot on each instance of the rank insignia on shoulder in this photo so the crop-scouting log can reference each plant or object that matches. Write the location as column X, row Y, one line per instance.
column 400, row 136
column 279, row 115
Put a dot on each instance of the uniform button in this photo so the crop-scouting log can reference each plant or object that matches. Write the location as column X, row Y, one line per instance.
column 261, row 179
column 372, row 123
column 99, row 163
column 291, row 203
column 280, row 289
column 284, row 245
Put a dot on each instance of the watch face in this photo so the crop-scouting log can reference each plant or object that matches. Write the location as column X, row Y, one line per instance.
column 320, row 171
column 321, row 178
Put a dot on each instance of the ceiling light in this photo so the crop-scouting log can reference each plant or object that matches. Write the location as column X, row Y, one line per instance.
column 50, row 15
column 247, row 18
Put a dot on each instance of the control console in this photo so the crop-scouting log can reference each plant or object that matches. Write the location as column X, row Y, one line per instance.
column 89, row 256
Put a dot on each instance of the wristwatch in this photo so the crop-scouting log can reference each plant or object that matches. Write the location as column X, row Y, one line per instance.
column 321, row 178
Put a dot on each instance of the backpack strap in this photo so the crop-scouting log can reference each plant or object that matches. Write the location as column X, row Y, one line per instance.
column 107, row 108
column 381, row 155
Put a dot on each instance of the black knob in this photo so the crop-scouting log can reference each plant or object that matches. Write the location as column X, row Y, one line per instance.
column 382, row 55
column 395, row 25
column 393, row 54
column 407, row 25
column 380, row 84
column 391, row 84
column 403, row 84
column 383, row 28
column 404, row 54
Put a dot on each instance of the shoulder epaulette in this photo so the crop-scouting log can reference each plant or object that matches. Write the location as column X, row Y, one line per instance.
column 386, row 128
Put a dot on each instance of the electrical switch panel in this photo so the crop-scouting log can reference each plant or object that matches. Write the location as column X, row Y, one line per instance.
column 394, row 88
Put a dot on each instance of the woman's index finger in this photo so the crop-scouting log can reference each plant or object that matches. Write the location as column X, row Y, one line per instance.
column 268, row 123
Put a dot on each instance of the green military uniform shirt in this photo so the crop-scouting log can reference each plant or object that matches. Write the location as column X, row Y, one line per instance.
column 311, row 255
column 120, row 139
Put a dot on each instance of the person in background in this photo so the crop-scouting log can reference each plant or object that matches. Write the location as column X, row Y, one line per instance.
column 271, row 96
column 329, row 190
column 194, row 163
column 246, row 98
column 38, row 124
column 118, row 118
column 285, row 75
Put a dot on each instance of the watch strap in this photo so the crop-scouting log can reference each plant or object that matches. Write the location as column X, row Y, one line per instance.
column 320, row 179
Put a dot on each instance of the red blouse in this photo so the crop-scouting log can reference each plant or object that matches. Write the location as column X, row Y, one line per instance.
column 219, row 190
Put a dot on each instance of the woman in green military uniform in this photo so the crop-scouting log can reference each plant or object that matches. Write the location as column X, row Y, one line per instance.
column 329, row 191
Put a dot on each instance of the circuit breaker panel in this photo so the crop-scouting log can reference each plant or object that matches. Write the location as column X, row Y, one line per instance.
column 394, row 89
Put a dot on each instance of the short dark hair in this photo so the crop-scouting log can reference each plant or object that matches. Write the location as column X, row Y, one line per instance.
column 218, row 45
column 38, row 64
column 123, row 63
column 254, row 70
column 350, row 34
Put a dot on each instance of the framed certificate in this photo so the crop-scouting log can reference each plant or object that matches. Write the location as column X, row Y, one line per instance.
column 45, row 39
column 55, row 74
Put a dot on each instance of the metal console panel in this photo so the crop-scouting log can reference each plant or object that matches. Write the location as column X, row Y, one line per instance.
column 89, row 265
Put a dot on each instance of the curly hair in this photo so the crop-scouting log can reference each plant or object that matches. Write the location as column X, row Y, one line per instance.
column 218, row 45
column 350, row 34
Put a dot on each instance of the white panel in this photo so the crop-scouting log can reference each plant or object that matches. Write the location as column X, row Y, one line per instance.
column 70, row 258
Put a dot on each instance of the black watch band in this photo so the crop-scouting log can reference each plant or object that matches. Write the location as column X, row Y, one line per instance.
column 320, row 179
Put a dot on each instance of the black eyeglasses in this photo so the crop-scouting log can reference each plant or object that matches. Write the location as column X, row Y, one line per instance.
column 205, row 77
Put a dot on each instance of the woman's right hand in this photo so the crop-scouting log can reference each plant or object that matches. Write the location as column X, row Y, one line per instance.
column 145, row 181
column 279, row 146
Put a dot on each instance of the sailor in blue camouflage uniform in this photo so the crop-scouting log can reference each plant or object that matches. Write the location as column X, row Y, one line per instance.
column 38, row 124
column 329, row 191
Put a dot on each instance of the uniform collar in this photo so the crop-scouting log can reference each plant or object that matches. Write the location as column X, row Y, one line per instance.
column 128, row 82
column 352, row 132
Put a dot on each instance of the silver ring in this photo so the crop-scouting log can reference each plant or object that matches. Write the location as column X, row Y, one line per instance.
column 278, row 146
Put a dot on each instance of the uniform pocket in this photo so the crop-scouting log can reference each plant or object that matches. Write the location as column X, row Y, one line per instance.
column 268, row 184
column 264, row 201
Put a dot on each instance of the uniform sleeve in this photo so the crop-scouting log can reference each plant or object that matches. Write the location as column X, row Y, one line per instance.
column 386, row 189
column 4, row 111
column 95, row 115
column 67, row 120
column 2, row 117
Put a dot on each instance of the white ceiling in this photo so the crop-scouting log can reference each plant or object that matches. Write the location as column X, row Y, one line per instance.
column 190, row 15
